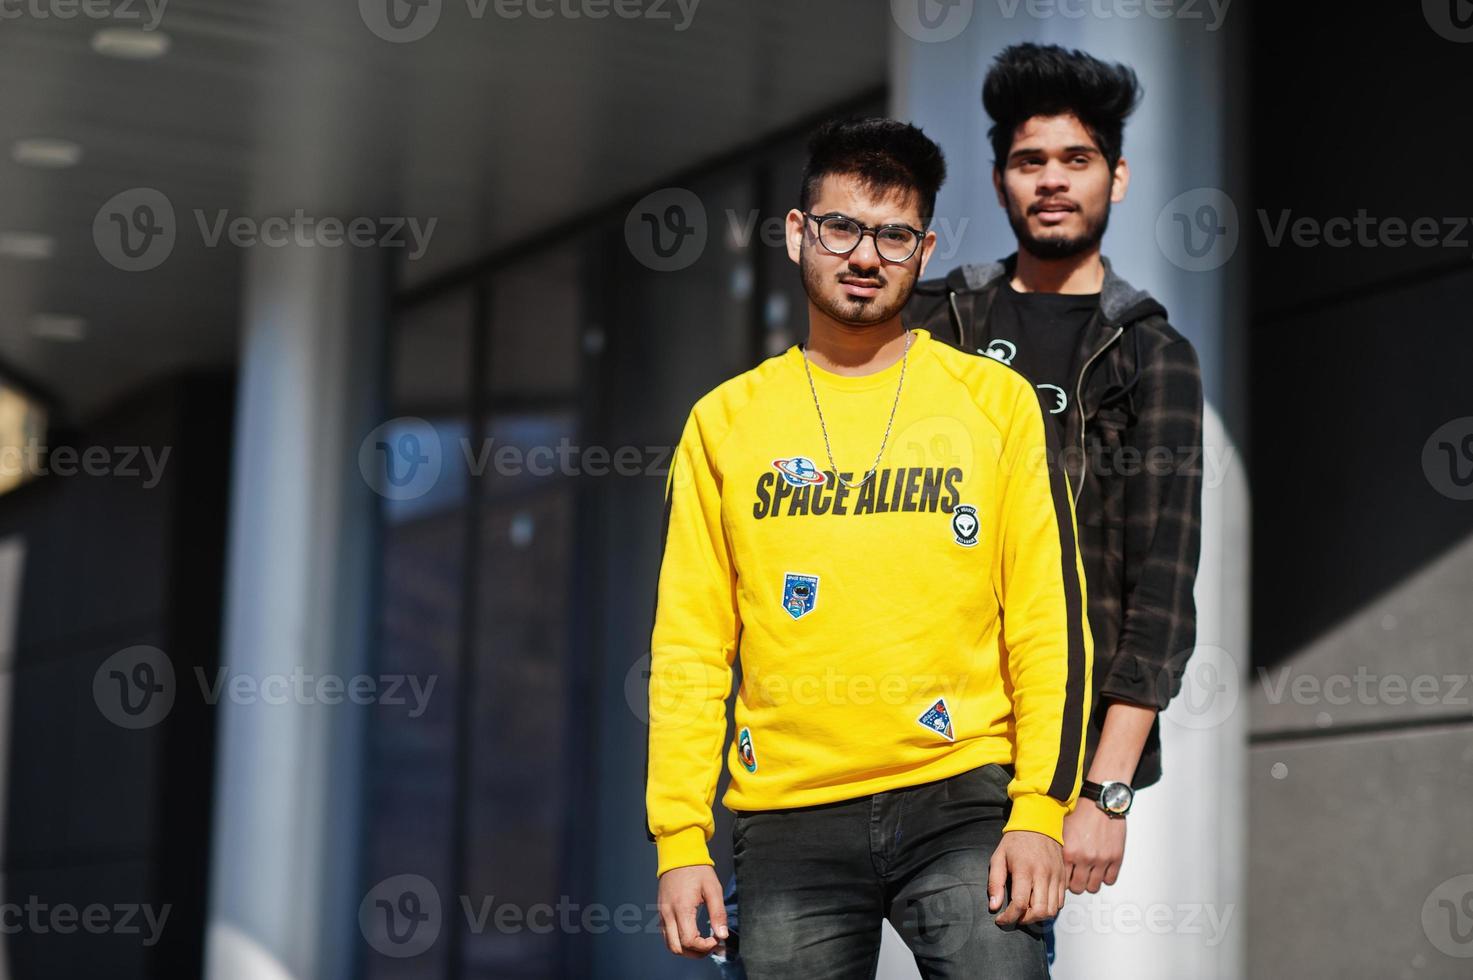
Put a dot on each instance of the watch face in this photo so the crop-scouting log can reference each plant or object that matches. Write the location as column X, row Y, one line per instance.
column 1115, row 797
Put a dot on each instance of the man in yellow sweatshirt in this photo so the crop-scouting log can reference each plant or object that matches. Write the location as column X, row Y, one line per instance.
column 872, row 523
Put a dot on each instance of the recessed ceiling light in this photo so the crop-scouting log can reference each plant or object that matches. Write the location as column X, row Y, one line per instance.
column 26, row 245
column 41, row 151
column 131, row 43
column 58, row 326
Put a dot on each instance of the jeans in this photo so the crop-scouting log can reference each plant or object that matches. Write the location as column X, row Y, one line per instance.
column 817, row 883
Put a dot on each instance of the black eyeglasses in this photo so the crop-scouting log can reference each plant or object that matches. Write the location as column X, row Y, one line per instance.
column 841, row 235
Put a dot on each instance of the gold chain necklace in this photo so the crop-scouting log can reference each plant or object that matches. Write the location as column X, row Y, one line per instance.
column 905, row 355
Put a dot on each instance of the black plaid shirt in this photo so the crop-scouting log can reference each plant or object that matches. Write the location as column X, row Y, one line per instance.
column 1133, row 451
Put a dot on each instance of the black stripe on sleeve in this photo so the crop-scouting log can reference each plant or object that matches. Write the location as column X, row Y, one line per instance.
column 1071, row 729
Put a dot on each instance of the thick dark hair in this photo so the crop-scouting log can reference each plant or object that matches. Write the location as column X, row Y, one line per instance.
column 885, row 154
column 1030, row 80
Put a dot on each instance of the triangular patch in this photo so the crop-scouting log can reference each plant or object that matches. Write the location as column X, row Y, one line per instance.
column 938, row 719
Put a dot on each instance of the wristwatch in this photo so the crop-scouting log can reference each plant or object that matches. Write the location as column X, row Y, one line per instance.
column 1112, row 796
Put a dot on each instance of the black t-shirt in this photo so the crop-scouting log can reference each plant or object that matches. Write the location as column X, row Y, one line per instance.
column 1038, row 334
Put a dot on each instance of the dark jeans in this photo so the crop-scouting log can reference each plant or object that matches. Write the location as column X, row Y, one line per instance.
column 817, row 882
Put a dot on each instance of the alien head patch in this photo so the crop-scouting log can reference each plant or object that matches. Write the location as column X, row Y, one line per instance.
column 964, row 524
column 800, row 592
column 938, row 719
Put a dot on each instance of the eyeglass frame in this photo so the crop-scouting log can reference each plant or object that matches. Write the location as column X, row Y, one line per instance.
column 864, row 229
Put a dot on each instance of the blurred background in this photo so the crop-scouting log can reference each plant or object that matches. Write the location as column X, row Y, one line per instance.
column 341, row 351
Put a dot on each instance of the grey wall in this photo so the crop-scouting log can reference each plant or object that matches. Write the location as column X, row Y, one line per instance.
column 100, row 808
column 1362, row 780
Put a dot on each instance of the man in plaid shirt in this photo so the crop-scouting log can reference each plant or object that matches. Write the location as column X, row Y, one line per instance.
column 1125, row 392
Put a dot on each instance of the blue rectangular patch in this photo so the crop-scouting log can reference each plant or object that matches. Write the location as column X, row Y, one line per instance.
column 800, row 593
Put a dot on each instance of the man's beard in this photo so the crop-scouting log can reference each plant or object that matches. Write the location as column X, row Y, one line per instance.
column 1065, row 247
column 856, row 312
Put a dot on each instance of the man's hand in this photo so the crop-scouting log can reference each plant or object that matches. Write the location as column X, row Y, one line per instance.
column 1094, row 847
column 682, row 891
column 1036, row 863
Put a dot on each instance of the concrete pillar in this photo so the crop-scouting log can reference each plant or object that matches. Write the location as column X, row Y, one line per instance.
column 285, row 854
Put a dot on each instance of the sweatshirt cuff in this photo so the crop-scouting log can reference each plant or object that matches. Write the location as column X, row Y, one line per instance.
column 1040, row 814
column 682, row 849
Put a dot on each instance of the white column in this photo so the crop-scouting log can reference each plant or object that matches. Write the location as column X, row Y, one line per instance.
column 285, row 852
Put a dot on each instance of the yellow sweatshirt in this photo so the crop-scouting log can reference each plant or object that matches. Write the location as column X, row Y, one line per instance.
column 924, row 624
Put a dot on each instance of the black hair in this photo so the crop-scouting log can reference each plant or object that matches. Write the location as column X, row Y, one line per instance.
column 1030, row 80
column 885, row 154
